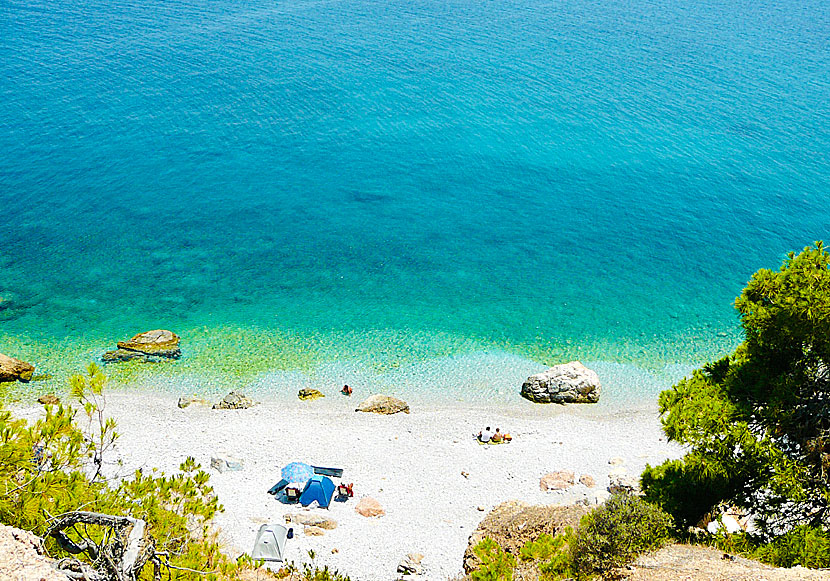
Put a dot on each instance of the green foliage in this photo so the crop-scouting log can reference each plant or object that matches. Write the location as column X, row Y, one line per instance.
column 803, row 545
column 496, row 563
column 53, row 467
column 757, row 423
column 616, row 532
column 551, row 554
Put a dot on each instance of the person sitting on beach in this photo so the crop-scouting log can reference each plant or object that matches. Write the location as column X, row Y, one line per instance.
column 496, row 438
column 346, row 390
column 485, row 435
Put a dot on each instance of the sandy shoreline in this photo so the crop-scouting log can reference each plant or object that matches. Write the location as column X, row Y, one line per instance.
column 412, row 464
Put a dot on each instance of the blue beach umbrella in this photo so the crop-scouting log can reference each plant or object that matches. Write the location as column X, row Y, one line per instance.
column 297, row 472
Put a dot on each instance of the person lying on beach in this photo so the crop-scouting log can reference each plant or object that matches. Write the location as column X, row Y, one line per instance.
column 346, row 390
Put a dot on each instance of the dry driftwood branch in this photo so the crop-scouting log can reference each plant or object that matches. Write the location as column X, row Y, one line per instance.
column 119, row 559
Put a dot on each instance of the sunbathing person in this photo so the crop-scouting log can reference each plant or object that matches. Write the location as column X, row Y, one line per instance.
column 485, row 435
column 497, row 437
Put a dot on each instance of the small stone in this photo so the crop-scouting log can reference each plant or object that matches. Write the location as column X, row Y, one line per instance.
column 225, row 464
column 186, row 401
column 616, row 461
column 369, row 507
column 480, row 509
column 313, row 531
column 587, row 480
column 411, row 564
column 234, row 401
column 49, row 399
column 309, row 519
column 309, row 394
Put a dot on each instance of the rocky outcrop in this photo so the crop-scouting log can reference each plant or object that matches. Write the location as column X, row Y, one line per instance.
column 234, row 401
column 154, row 345
column 567, row 383
column 587, row 480
column 48, row 399
column 309, row 394
column 12, row 369
column 22, row 557
column 513, row 523
column 369, row 507
column 623, row 484
column 383, row 404
column 411, row 564
column 556, row 481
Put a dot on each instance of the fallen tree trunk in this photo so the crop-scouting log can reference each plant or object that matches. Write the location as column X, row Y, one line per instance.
column 123, row 553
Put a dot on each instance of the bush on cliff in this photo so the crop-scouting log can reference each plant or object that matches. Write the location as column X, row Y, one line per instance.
column 53, row 466
column 757, row 422
column 607, row 538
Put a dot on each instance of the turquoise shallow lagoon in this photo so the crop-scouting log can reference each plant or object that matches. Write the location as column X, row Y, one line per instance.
column 434, row 198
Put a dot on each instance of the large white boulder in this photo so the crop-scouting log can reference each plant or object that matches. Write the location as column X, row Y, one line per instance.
column 567, row 383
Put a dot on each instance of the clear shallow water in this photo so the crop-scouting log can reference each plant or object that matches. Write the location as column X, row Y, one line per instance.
column 297, row 186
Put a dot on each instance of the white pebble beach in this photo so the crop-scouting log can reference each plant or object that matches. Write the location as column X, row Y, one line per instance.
column 425, row 468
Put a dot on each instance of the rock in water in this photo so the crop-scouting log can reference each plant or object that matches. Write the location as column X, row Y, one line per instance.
column 383, row 404
column 12, row 369
column 369, row 507
column 234, row 401
column 48, row 399
column 310, row 394
column 157, row 342
column 147, row 346
column 567, row 383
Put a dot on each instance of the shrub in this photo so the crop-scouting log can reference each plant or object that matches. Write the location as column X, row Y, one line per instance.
column 616, row 532
column 686, row 494
column 496, row 563
column 803, row 545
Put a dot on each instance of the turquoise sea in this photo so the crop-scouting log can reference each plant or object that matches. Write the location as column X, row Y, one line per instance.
column 432, row 198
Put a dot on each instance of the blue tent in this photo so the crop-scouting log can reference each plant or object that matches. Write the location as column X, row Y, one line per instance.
column 319, row 488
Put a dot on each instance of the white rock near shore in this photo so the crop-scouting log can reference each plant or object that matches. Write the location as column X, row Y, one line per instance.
column 413, row 465
column 567, row 383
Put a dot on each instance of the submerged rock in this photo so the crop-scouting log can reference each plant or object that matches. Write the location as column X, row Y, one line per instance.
column 147, row 346
column 309, row 394
column 234, row 401
column 48, row 399
column 567, row 383
column 383, row 404
column 12, row 369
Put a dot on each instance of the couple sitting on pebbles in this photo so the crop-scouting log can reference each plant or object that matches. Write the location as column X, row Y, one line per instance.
column 485, row 436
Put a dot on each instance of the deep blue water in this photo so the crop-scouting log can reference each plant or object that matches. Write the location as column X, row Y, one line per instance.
column 581, row 178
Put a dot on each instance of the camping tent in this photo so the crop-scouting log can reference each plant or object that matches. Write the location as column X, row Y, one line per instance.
column 270, row 543
column 319, row 488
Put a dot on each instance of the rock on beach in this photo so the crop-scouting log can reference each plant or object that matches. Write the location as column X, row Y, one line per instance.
column 383, row 404
column 147, row 346
column 12, row 369
column 567, row 383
